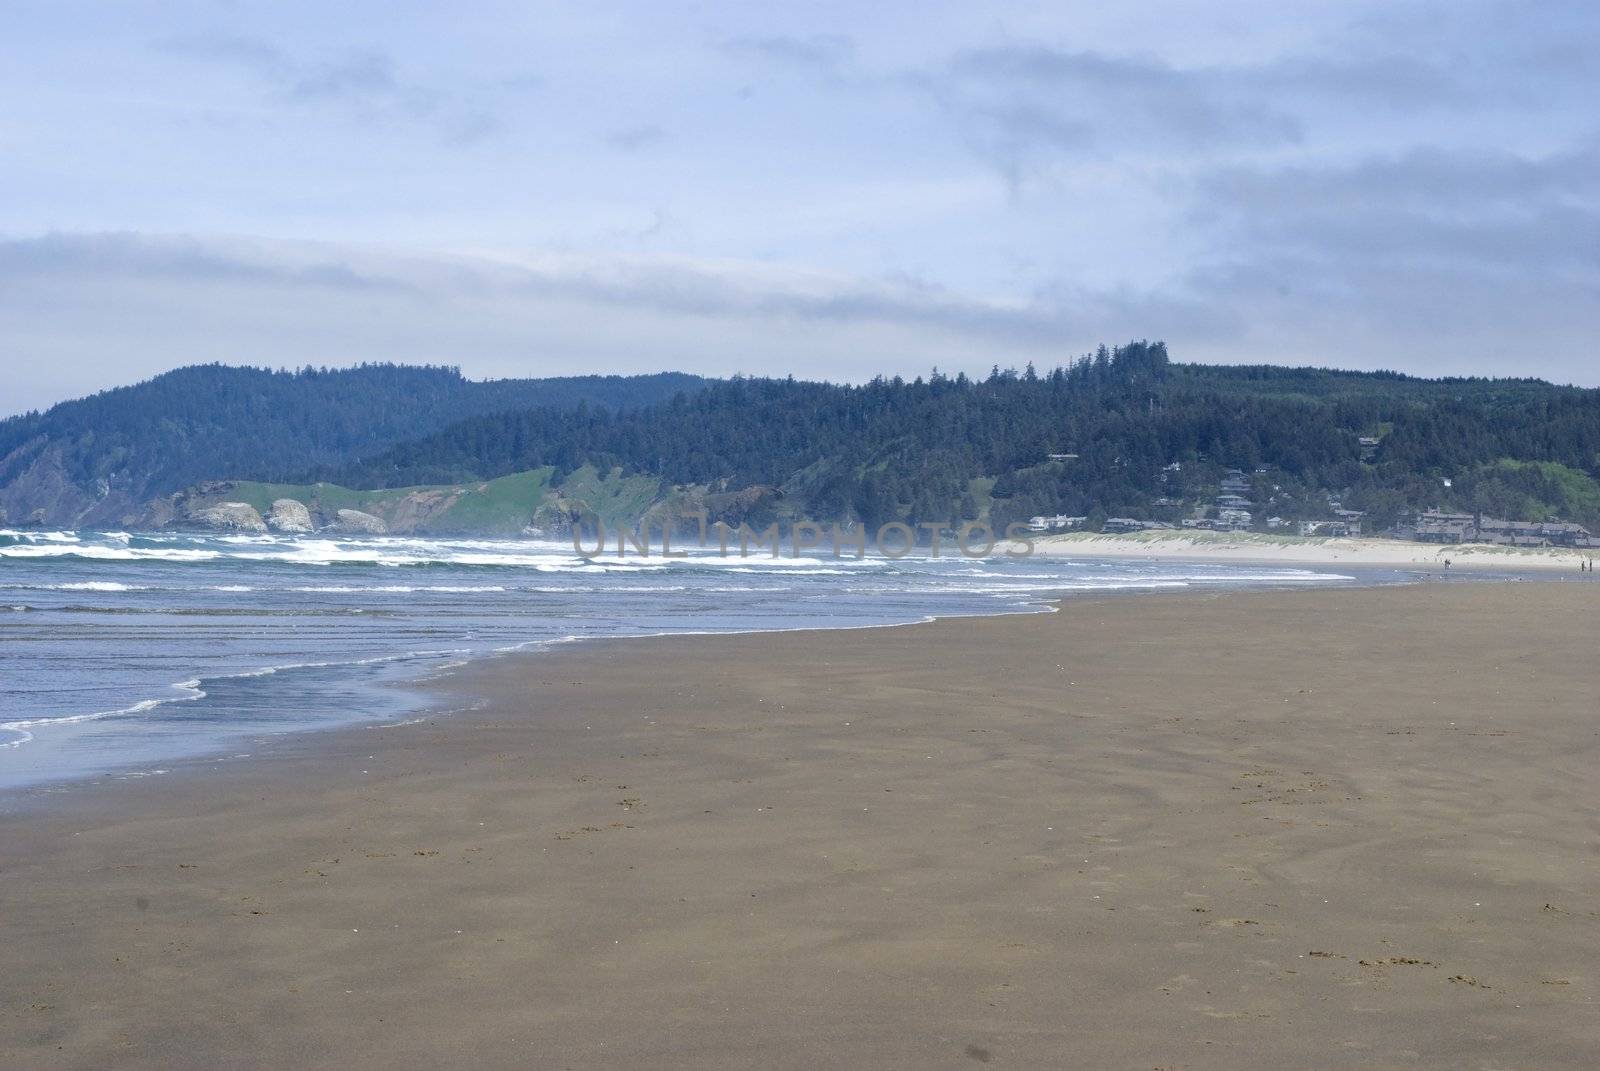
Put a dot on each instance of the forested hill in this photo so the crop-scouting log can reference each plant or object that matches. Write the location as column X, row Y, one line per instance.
column 99, row 458
column 1151, row 440
column 1133, row 433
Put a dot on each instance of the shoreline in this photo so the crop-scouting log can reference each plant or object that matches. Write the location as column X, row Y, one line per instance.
column 968, row 840
column 191, row 688
column 1216, row 547
column 29, row 797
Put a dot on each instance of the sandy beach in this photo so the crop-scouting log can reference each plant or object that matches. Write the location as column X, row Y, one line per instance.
column 1285, row 549
column 1313, row 829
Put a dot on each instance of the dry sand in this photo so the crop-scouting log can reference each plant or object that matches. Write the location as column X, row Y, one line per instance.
column 1276, row 830
column 1235, row 547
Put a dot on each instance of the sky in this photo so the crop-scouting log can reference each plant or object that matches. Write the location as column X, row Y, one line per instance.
column 828, row 190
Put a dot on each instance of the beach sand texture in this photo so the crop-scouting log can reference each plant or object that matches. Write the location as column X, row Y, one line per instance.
column 1235, row 547
column 1322, row 829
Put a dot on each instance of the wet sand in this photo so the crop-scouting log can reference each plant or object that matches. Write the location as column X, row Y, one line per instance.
column 1323, row 829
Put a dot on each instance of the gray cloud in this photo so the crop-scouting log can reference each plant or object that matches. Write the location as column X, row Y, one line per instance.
column 72, row 258
column 1023, row 106
column 1020, row 106
column 143, row 303
column 1388, row 80
column 818, row 52
column 1483, row 260
column 1489, row 211
column 633, row 138
column 363, row 82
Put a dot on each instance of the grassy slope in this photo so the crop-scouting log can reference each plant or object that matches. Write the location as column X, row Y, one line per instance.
column 613, row 496
column 502, row 506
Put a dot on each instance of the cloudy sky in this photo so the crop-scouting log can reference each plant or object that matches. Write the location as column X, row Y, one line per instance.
column 823, row 189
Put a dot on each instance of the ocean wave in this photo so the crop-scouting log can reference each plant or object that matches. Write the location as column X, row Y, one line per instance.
column 23, row 728
column 76, row 585
column 92, row 552
column 398, row 589
column 1078, row 585
column 791, row 572
column 194, row 689
column 1287, row 576
column 38, row 537
column 94, row 585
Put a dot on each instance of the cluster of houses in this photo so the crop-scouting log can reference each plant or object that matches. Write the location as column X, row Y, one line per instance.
column 1233, row 506
column 1344, row 523
column 1058, row 523
column 1432, row 526
column 1435, row 526
column 1122, row 525
column 1113, row 525
column 1233, row 512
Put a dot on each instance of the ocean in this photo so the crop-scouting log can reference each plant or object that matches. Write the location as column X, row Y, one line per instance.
column 122, row 653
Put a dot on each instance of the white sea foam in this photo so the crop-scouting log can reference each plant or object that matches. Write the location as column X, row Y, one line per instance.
column 193, row 689
column 396, row 589
column 96, row 585
column 100, row 553
column 790, row 572
column 23, row 727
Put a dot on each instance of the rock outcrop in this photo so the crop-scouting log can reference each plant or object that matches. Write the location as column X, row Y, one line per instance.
column 36, row 487
column 291, row 516
column 354, row 522
column 227, row 517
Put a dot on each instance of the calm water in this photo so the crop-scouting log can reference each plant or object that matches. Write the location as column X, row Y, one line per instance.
column 121, row 652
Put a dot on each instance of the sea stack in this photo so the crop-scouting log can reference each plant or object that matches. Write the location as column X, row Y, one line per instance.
column 354, row 522
column 228, row 517
column 291, row 516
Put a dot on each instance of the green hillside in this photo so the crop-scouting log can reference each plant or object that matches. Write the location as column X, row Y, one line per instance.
column 99, row 460
column 504, row 506
column 1139, row 437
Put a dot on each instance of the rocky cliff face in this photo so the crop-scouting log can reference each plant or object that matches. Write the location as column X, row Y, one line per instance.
column 36, row 488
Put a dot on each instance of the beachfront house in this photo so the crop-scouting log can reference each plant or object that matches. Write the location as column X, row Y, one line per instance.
column 1058, row 523
column 1436, row 526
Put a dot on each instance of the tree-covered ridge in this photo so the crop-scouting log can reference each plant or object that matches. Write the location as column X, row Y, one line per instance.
column 1149, row 438
column 211, row 421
